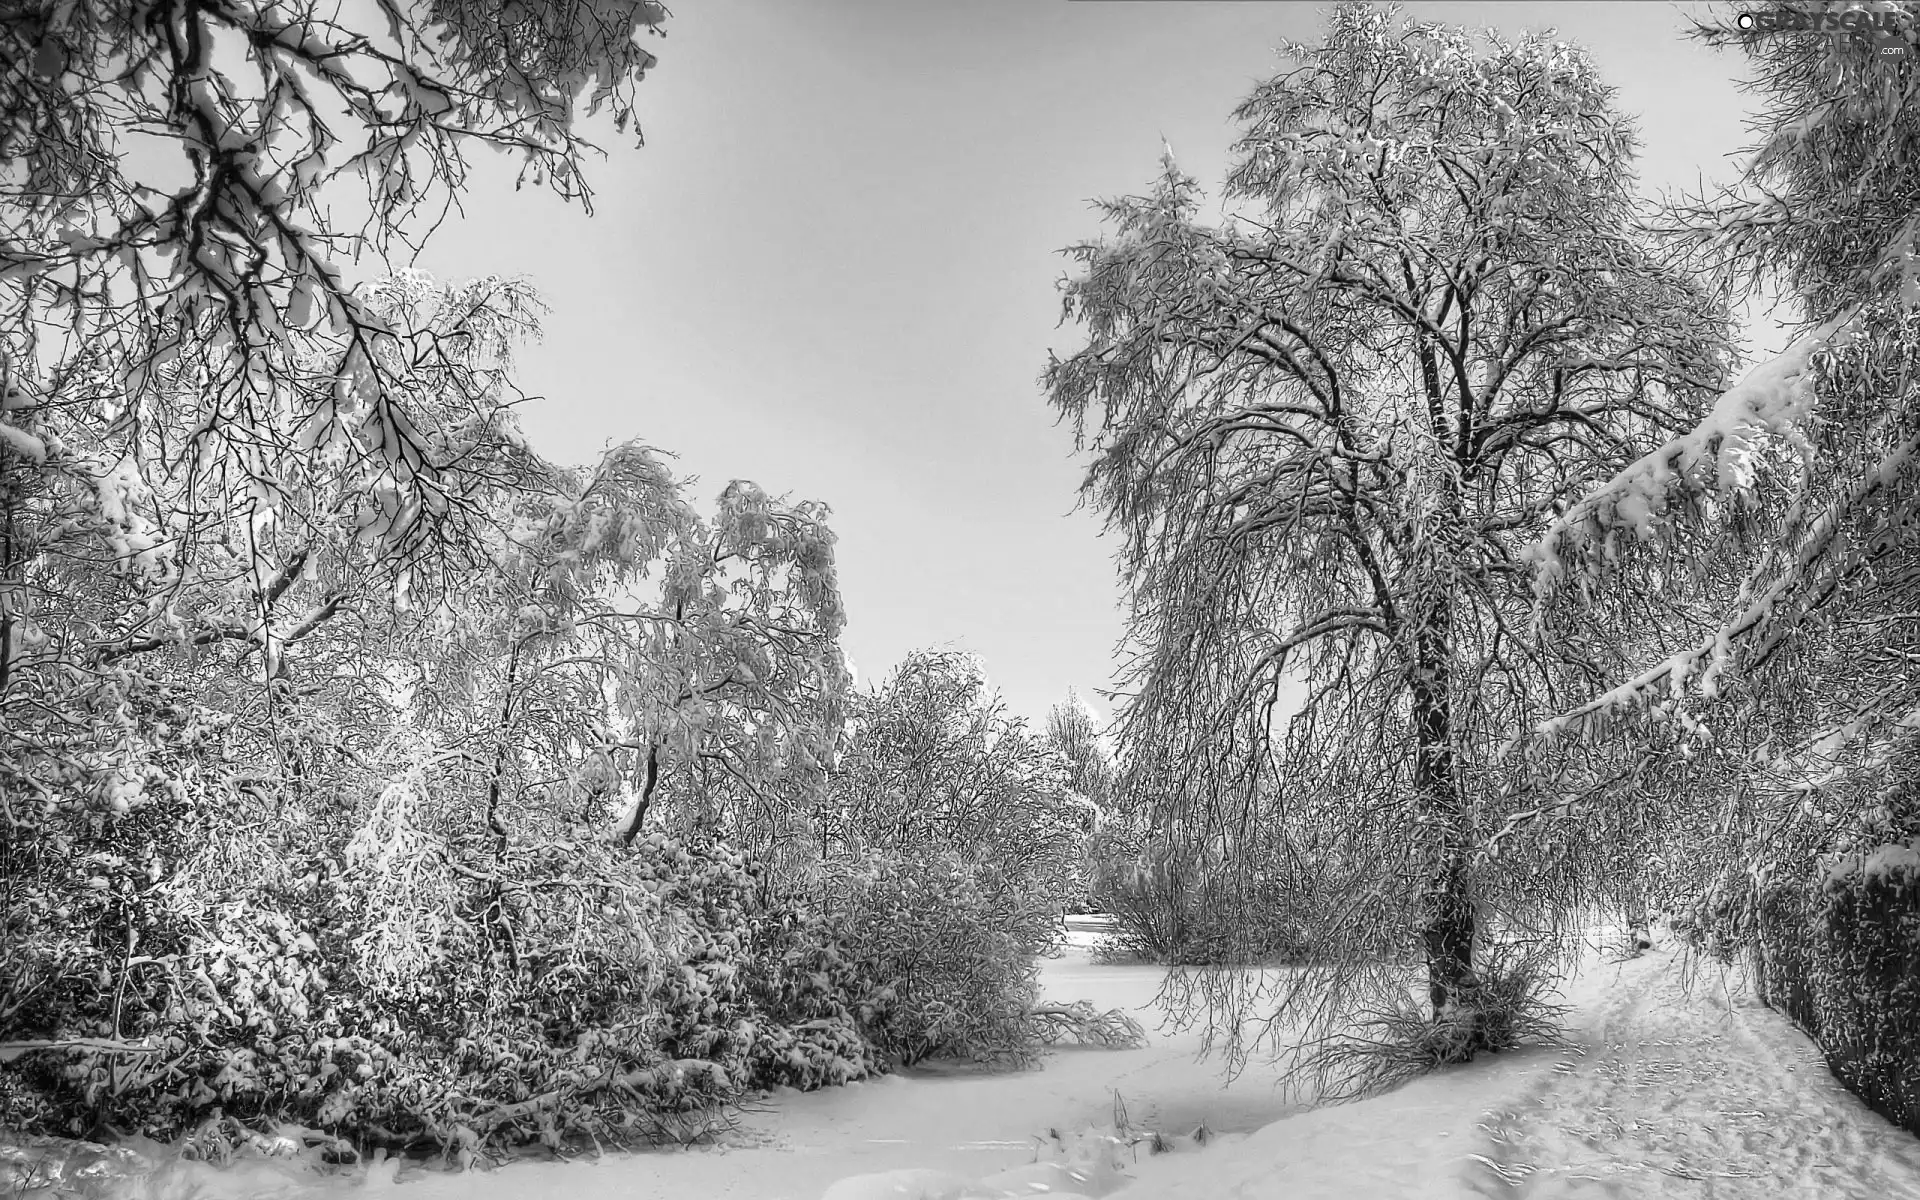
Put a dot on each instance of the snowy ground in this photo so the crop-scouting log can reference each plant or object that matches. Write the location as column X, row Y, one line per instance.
column 963, row 1124
column 1660, row 1093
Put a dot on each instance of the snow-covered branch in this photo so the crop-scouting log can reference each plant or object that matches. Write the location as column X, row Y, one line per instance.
column 1772, row 401
column 1766, row 609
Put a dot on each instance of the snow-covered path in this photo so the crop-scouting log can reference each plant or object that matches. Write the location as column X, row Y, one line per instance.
column 1658, row 1093
column 1702, row 1095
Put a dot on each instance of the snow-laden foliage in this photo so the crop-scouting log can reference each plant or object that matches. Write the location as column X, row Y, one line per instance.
column 952, row 840
column 372, row 833
column 1326, row 429
column 935, row 765
column 208, row 262
column 1716, row 457
column 1770, row 696
column 1075, row 731
column 952, row 976
column 1811, row 460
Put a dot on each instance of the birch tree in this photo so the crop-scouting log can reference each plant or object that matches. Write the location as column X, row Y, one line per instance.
column 1325, row 427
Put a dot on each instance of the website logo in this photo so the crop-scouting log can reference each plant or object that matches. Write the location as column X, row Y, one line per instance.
column 1889, row 31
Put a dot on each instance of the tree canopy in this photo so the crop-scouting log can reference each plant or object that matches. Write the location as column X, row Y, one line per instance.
column 190, row 189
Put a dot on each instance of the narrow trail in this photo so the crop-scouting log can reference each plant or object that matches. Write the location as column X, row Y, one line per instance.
column 1679, row 1092
column 1660, row 1091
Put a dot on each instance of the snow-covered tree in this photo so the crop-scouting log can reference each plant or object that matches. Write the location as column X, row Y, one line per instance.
column 1326, row 428
column 1073, row 729
column 189, row 188
column 934, row 760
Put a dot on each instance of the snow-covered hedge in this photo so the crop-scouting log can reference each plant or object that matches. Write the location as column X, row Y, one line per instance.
column 1840, row 954
column 1866, row 977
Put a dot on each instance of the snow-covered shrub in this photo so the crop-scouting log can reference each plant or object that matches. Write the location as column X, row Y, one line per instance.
column 947, row 959
column 195, row 944
column 119, row 928
column 936, row 766
column 1185, row 911
column 702, row 1006
column 391, row 994
column 1510, row 1006
column 808, row 993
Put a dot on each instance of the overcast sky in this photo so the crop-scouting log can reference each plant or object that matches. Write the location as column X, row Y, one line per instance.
column 832, row 271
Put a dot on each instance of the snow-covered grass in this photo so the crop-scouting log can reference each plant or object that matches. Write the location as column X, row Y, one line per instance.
column 1661, row 1091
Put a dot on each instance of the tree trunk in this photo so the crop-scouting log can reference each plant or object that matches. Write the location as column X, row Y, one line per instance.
column 1449, row 929
column 639, row 817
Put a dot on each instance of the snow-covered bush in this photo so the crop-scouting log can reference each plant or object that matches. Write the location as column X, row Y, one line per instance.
column 810, row 997
column 1183, row 910
column 953, row 842
column 1509, row 1004
column 934, row 764
column 123, row 930
column 948, row 956
column 183, row 977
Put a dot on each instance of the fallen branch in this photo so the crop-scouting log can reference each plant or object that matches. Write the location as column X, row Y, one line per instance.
column 1113, row 1029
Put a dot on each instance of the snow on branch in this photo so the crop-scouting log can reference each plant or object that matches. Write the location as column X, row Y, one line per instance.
column 1672, row 671
column 1113, row 1029
column 1773, row 400
column 1767, row 611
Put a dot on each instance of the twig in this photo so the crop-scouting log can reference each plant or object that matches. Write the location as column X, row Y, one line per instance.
column 12, row 1050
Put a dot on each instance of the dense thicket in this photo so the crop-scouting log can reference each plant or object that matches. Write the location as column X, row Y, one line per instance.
column 363, row 772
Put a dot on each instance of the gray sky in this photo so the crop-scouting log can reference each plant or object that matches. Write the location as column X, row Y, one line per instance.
column 831, row 271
